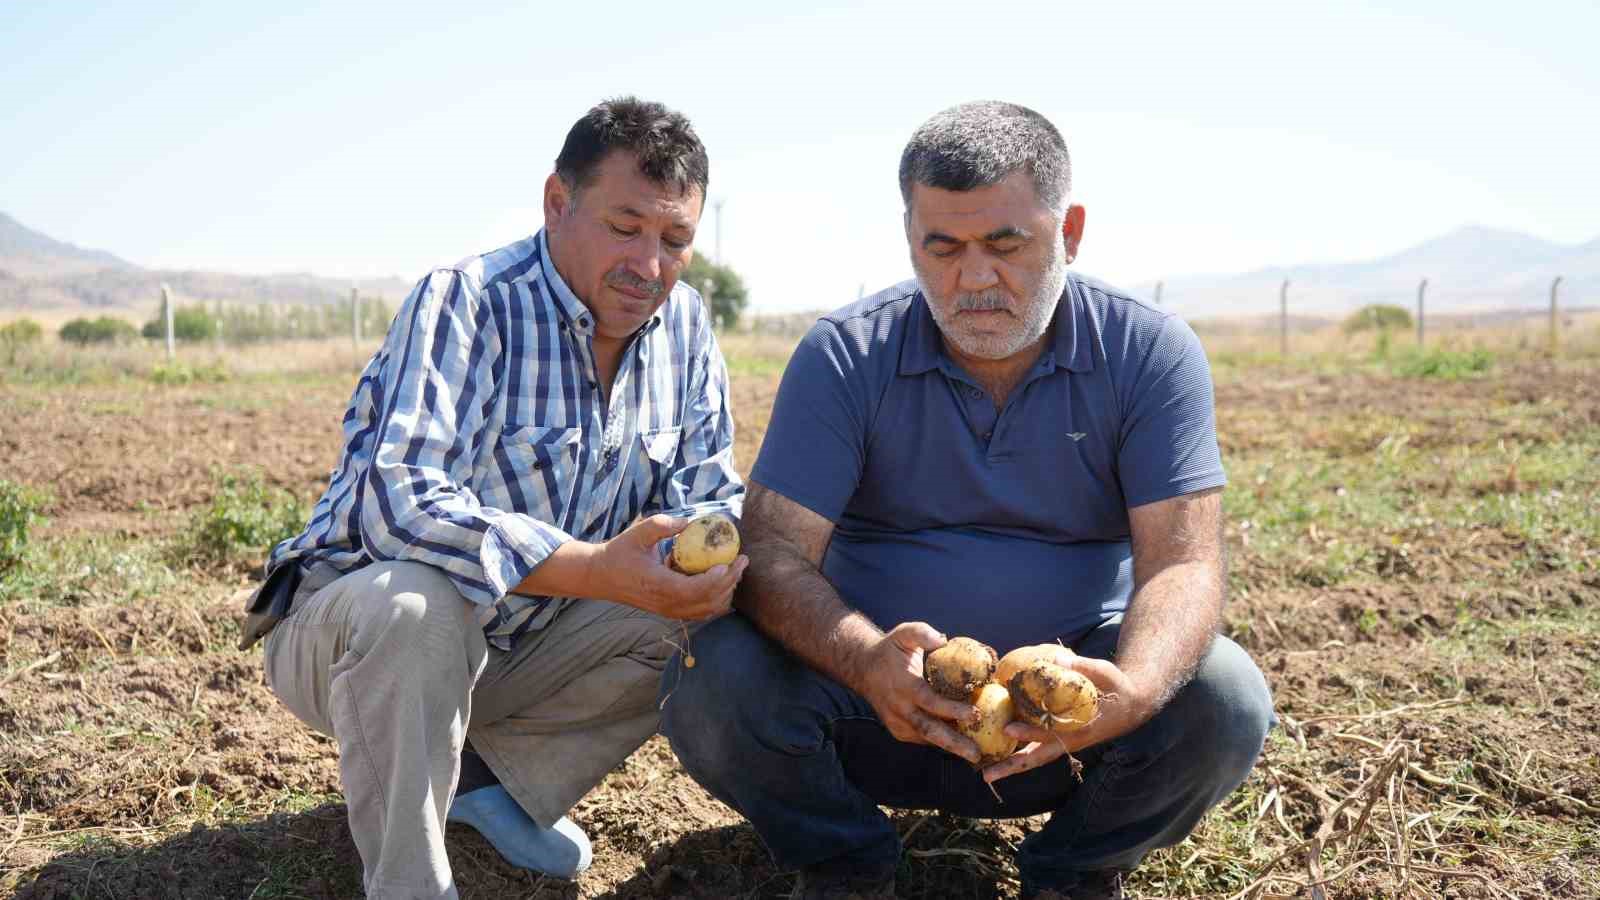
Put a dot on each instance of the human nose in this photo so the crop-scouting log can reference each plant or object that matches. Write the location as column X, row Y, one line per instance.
column 976, row 272
column 645, row 260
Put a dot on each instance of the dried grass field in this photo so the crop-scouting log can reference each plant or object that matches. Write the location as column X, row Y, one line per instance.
column 1415, row 544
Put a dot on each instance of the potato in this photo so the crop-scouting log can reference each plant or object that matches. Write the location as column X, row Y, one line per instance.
column 959, row 668
column 708, row 540
column 989, row 732
column 1018, row 659
column 1053, row 696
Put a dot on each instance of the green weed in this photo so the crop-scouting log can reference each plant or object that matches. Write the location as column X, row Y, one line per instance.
column 246, row 518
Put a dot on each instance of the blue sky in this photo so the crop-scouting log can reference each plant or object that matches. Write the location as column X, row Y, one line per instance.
column 385, row 139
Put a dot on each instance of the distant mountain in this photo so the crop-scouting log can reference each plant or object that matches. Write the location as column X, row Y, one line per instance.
column 1469, row 269
column 28, row 253
column 40, row 272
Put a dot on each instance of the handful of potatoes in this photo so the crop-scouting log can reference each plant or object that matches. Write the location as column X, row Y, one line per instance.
column 1027, row 685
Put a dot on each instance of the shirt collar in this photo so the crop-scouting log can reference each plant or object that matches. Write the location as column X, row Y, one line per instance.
column 566, row 302
column 572, row 309
column 923, row 350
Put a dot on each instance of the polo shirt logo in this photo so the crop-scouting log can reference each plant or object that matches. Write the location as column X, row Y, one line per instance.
column 1077, row 435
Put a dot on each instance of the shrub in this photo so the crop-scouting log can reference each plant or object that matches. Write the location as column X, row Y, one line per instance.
column 20, row 333
column 1382, row 316
column 104, row 330
column 189, row 323
column 246, row 519
column 19, row 507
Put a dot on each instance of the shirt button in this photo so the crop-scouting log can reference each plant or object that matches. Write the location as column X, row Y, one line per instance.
column 987, row 435
column 975, row 393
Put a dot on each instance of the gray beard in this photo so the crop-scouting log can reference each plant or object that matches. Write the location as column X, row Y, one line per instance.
column 1037, row 311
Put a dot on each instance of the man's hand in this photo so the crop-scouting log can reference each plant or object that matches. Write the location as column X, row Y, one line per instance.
column 629, row 569
column 1125, row 704
column 889, row 676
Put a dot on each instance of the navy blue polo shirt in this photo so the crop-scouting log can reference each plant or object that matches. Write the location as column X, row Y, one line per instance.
column 1009, row 526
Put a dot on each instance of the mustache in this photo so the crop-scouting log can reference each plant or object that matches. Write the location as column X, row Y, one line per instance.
column 622, row 278
column 983, row 301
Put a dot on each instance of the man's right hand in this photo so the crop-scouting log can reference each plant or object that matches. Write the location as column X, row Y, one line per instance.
column 888, row 674
column 629, row 569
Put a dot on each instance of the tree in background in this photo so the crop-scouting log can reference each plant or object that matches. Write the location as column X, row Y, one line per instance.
column 721, row 287
column 1380, row 316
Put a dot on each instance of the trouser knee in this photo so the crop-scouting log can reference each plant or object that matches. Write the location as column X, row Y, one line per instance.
column 1221, row 718
column 740, row 694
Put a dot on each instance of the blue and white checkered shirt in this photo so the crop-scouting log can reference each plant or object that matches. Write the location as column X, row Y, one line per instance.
column 478, row 441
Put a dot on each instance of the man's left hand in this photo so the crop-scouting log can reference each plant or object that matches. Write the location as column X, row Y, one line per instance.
column 1125, row 704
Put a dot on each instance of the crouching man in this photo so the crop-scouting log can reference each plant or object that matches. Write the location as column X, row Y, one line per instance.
column 999, row 449
column 479, row 593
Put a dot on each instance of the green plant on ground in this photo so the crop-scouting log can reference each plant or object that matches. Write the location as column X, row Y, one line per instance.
column 1442, row 363
column 245, row 519
column 19, row 507
column 183, row 373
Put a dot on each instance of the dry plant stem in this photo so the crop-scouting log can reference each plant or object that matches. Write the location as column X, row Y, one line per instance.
column 1446, row 703
column 36, row 664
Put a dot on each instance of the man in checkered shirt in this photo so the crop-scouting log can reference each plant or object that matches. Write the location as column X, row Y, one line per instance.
column 480, row 594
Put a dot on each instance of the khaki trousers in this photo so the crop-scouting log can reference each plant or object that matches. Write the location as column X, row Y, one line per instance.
column 390, row 661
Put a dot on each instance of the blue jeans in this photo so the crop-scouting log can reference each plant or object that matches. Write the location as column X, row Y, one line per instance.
column 808, row 763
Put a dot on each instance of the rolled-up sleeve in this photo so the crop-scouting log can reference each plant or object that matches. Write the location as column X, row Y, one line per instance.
column 443, row 362
column 704, row 478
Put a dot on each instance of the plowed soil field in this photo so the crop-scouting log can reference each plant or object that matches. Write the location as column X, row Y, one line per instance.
column 1414, row 566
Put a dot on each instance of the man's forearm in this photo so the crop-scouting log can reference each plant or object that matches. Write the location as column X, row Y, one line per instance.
column 1169, row 626
column 793, row 603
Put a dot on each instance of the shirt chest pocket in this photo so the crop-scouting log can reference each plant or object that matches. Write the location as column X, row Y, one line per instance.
column 658, row 452
column 539, row 466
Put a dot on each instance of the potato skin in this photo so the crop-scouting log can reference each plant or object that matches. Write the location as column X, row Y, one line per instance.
column 959, row 668
column 708, row 540
column 989, row 733
column 1053, row 697
column 1022, row 657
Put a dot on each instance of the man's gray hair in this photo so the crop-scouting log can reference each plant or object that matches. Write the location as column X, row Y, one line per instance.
column 978, row 144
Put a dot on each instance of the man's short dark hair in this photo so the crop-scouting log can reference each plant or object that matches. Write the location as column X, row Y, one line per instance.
column 978, row 144
column 669, row 151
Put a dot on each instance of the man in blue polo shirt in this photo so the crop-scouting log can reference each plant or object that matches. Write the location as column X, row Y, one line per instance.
column 998, row 449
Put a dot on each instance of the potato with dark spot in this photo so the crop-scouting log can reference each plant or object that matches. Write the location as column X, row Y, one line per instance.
column 1053, row 697
column 959, row 668
column 707, row 541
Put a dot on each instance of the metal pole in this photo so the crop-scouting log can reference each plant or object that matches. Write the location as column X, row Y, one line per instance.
column 1158, row 293
column 355, row 317
column 1421, row 289
column 1283, row 320
column 166, row 307
column 718, row 207
column 1555, row 334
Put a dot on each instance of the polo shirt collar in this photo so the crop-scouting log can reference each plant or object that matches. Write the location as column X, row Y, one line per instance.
column 924, row 348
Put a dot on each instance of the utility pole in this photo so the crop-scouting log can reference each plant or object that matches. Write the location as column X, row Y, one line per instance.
column 1421, row 289
column 355, row 317
column 1555, row 334
column 718, row 207
column 1158, row 293
column 166, row 311
column 1283, row 320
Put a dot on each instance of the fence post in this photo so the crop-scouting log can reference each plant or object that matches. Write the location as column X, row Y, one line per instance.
column 1158, row 293
column 355, row 317
column 166, row 312
column 1555, row 333
column 1421, row 289
column 1283, row 320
